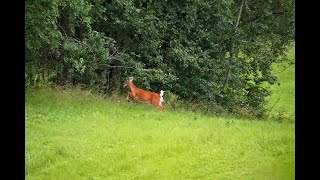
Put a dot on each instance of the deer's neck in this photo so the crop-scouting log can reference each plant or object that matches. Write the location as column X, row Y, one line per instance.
column 132, row 86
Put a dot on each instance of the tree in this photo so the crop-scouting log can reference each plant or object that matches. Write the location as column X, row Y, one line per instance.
column 213, row 52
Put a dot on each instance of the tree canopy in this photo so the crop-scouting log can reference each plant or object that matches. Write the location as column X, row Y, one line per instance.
column 217, row 52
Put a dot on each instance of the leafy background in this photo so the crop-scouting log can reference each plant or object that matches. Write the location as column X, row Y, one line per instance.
column 216, row 53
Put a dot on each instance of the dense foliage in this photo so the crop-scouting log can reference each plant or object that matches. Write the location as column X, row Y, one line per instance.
column 215, row 52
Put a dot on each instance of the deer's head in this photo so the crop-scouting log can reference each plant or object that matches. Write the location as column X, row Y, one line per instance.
column 128, row 81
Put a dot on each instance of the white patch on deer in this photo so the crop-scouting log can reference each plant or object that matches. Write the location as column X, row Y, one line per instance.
column 161, row 97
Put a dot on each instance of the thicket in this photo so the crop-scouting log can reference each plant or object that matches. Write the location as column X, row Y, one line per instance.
column 216, row 53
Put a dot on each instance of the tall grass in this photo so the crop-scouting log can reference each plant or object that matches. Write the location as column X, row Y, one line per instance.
column 73, row 134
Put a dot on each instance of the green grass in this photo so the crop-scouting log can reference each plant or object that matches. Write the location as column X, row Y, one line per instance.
column 72, row 134
column 282, row 100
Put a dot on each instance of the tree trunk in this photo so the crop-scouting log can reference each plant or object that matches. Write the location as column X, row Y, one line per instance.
column 232, row 46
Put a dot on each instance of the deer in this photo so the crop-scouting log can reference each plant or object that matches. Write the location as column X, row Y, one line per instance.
column 141, row 95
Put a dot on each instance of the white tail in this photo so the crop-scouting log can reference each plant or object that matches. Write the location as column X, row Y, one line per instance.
column 161, row 98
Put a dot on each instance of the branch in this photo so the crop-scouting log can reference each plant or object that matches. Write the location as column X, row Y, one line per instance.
column 120, row 66
column 283, row 69
column 232, row 45
column 64, row 32
column 76, row 40
column 257, row 18
column 239, row 14
column 274, row 105
column 264, row 15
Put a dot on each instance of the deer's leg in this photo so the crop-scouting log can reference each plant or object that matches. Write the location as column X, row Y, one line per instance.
column 161, row 108
column 160, row 103
column 129, row 94
column 157, row 104
column 132, row 96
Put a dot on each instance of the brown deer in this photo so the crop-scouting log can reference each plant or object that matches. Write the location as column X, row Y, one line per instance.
column 144, row 96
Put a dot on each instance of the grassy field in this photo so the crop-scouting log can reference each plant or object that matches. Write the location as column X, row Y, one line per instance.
column 72, row 134
column 282, row 100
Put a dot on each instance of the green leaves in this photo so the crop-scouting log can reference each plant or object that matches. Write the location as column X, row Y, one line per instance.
column 198, row 50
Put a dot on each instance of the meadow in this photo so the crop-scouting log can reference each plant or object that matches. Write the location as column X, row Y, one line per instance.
column 74, row 134
column 202, row 51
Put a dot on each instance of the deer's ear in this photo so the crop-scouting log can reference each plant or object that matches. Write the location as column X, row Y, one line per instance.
column 130, row 78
